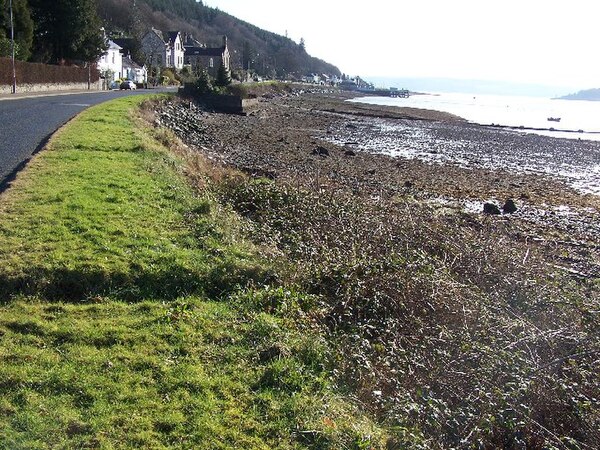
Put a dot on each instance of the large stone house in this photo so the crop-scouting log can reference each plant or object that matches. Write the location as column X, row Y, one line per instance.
column 163, row 50
column 199, row 56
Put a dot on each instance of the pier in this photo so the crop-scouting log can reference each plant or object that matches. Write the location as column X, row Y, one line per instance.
column 391, row 92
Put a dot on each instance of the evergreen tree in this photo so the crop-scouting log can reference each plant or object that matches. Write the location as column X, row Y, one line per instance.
column 23, row 26
column 203, row 84
column 66, row 30
column 223, row 76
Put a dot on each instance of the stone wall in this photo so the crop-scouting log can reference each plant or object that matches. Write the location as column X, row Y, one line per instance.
column 231, row 103
column 50, row 87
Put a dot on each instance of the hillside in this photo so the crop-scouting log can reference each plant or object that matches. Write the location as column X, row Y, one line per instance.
column 587, row 94
column 266, row 53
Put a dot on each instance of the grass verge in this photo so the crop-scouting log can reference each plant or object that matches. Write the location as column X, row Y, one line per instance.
column 113, row 325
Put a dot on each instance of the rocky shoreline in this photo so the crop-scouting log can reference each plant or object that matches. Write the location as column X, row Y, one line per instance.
column 321, row 141
column 422, row 289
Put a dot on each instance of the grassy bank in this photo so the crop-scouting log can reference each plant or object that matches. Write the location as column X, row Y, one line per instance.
column 134, row 314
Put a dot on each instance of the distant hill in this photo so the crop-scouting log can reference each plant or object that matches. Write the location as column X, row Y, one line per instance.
column 587, row 94
column 266, row 53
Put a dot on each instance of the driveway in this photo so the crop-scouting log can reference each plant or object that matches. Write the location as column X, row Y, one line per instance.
column 26, row 123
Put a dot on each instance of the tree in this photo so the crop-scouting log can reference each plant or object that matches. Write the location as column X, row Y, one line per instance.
column 203, row 84
column 223, row 76
column 66, row 30
column 23, row 25
column 302, row 45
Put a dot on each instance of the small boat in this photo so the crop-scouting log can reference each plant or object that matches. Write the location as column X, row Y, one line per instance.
column 553, row 119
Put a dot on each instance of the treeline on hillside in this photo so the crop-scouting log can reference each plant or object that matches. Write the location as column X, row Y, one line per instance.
column 71, row 30
column 265, row 53
column 54, row 31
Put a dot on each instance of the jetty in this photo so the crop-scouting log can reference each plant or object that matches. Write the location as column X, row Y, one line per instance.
column 391, row 92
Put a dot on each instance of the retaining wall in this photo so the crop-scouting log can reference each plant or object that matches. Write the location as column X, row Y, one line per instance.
column 49, row 87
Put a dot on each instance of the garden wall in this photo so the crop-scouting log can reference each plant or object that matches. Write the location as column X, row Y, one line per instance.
column 35, row 77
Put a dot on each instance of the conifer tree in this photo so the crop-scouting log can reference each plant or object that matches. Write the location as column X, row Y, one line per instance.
column 223, row 76
column 203, row 84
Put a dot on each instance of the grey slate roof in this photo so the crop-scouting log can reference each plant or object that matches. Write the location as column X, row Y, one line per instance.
column 204, row 51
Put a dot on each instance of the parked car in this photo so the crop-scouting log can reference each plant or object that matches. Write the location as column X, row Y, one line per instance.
column 127, row 84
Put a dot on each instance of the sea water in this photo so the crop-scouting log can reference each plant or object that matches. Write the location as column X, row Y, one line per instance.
column 581, row 119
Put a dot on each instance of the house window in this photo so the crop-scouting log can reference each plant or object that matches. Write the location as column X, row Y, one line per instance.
column 211, row 63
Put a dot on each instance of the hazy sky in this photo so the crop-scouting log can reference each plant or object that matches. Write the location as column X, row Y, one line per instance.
column 535, row 41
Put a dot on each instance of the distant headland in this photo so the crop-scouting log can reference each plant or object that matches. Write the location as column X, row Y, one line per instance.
column 587, row 94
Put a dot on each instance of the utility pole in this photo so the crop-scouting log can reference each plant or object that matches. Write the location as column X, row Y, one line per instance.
column 12, row 49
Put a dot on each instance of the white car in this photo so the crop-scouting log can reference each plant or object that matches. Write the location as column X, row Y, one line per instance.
column 127, row 84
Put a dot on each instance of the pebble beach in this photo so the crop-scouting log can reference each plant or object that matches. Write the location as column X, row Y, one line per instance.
column 324, row 141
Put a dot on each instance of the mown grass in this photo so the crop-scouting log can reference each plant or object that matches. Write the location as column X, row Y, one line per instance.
column 133, row 313
column 101, row 211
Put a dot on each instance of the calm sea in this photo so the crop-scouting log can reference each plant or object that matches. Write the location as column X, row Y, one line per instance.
column 530, row 112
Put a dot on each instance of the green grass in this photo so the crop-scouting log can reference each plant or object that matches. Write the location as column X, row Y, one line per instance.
column 101, row 212
column 115, row 325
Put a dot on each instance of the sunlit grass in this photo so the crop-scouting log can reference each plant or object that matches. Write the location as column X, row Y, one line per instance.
column 115, row 325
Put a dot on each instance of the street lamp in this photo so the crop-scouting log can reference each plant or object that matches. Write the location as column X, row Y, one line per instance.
column 12, row 48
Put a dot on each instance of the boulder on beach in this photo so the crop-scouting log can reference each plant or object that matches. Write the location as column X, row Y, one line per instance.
column 490, row 208
column 509, row 206
column 320, row 151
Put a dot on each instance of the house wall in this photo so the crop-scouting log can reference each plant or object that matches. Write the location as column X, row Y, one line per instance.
column 137, row 75
column 155, row 50
column 177, row 54
column 112, row 60
column 50, row 87
column 204, row 62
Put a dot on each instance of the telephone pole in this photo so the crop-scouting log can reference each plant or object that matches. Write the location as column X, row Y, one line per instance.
column 12, row 48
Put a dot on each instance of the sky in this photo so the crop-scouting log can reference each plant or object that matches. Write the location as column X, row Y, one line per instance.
column 547, row 42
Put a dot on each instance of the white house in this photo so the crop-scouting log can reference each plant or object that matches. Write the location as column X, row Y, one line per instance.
column 133, row 71
column 175, row 51
column 110, row 63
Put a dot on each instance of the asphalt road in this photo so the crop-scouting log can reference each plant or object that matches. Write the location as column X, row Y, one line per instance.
column 26, row 124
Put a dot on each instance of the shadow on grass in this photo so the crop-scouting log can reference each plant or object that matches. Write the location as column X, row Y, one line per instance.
column 73, row 285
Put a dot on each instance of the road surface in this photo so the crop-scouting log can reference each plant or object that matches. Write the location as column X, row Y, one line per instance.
column 27, row 123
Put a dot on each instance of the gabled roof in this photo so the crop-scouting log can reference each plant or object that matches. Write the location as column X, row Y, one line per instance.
column 159, row 34
column 128, row 63
column 125, row 43
column 172, row 36
column 189, row 41
column 113, row 46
